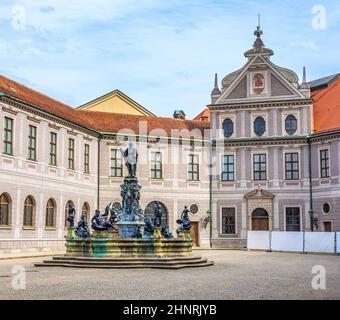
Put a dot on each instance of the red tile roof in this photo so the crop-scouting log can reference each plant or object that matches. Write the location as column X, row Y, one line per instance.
column 102, row 121
column 327, row 108
column 204, row 115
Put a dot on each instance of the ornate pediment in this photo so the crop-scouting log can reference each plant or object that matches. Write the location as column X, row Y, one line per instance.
column 259, row 193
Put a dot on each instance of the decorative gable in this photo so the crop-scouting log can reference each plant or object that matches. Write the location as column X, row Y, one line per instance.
column 240, row 90
column 116, row 102
column 259, row 193
column 278, row 88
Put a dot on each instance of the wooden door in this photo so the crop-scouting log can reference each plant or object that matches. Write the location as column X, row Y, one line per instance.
column 260, row 224
column 194, row 234
column 327, row 226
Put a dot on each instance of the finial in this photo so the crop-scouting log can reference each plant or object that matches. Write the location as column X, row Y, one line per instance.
column 216, row 82
column 304, row 84
column 216, row 91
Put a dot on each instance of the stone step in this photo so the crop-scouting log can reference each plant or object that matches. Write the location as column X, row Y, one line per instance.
column 122, row 259
column 132, row 266
column 128, row 263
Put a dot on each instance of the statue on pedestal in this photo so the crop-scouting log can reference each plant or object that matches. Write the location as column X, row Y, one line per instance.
column 130, row 156
column 98, row 223
column 71, row 214
column 184, row 222
column 82, row 229
column 157, row 214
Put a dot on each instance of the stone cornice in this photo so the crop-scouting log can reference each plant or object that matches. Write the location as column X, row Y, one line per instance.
column 260, row 104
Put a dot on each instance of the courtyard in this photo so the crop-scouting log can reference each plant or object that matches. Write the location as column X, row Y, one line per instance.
column 235, row 275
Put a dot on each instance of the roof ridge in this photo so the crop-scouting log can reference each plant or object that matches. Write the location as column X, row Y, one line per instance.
column 139, row 116
column 36, row 91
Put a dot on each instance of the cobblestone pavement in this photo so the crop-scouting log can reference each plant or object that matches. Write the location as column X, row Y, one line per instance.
column 235, row 275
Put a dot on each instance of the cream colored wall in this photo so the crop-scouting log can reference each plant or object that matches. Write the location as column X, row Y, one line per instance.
column 114, row 104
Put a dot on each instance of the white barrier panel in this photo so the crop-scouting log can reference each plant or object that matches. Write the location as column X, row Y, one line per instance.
column 319, row 242
column 287, row 241
column 338, row 242
column 258, row 240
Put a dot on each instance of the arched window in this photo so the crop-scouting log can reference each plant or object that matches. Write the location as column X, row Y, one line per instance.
column 5, row 210
column 149, row 212
column 50, row 213
column 228, row 128
column 29, row 210
column 259, row 126
column 67, row 207
column 291, row 124
column 85, row 210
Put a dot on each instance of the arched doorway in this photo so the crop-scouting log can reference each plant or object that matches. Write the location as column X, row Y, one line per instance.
column 149, row 212
column 260, row 220
column 86, row 211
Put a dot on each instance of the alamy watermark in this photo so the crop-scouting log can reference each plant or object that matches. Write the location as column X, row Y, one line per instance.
column 19, row 17
column 19, row 277
column 319, row 278
column 319, row 21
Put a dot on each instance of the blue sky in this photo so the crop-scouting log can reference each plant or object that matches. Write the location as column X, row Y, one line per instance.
column 161, row 53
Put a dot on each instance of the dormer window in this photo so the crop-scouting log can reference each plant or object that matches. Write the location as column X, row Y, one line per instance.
column 291, row 125
column 228, row 128
column 259, row 126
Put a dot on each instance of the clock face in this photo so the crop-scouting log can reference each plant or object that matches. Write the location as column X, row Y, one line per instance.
column 258, row 83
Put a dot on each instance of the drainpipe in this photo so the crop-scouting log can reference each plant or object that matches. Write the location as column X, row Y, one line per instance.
column 98, row 173
column 210, row 192
column 311, row 210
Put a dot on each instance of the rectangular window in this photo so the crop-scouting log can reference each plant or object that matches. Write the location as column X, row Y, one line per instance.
column 53, row 149
column 228, row 168
column 324, row 163
column 156, row 165
column 32, row 143
column 292, row 166
column 8, row 136
column 71, row 154
column 193, row 168
column 116, row 163
column 260, row 166
column 228, row 221
column 293, row 219
column 87, row 159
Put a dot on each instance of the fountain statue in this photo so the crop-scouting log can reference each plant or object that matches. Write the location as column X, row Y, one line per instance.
column 122, row 239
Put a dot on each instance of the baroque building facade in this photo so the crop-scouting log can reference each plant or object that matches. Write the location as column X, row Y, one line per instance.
column 264, row 155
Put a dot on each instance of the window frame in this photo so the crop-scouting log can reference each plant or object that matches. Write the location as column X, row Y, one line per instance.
column 87, row 158
column 71, row 150
column 31, row 205
column 292, row 162
column 260, row 163
column 8, row 136
column 48, row 212
column 300, row 218
column 156, row 165
column 230, row 134
column 254, row 125
column 8, row 211
column 222, row 229
column 324, row 160
column 53, row 145
column 226, row 164
column 118, row 164
column 285, row 124
column 193, row 167
column 32, row 143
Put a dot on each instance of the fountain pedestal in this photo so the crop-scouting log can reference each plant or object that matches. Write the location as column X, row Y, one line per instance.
column 131, row 218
